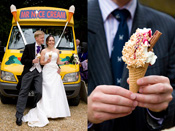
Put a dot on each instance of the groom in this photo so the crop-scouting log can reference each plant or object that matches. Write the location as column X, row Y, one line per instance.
column 32, row 73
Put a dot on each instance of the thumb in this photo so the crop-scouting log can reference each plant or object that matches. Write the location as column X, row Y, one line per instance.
column 128, row 80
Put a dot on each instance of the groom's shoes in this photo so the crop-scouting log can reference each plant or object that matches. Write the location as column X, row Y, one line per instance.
column 19, row 121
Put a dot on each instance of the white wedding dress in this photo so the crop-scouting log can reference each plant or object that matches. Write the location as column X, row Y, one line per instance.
column 53, row 103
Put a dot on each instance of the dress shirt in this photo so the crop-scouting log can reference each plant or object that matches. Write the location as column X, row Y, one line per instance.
column 78, row 49
column 110, row 22
column 36, row 65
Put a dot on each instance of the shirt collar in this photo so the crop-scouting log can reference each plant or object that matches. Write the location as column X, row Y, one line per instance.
column 108, row 6
column 36, row 44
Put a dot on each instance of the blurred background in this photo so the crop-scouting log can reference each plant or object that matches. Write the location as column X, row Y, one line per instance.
column 167, row 6
column 80, row 16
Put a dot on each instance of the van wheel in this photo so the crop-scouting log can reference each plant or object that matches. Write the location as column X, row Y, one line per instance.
column 5, row 100
column 74, row 101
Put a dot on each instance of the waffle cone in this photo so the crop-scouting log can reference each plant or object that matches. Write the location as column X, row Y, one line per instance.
column 134, row 75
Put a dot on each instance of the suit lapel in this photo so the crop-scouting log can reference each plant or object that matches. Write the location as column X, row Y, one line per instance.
column 42, row 46
column 138, row 22
column 33, row 50
column 139, row 19
column 97, row 48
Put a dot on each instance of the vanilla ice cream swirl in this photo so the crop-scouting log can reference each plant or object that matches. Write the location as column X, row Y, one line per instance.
column 135, row 52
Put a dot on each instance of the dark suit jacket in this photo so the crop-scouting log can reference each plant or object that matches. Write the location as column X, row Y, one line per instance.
column 26, row 60
column 99, row 67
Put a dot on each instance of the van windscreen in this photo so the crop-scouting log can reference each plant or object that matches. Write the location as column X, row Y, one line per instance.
column 66, row 43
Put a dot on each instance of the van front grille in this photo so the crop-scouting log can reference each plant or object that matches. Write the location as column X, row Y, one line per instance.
column 68, row 93
column 14, row 92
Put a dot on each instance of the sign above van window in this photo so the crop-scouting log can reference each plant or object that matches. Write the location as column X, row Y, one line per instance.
column 43, row 14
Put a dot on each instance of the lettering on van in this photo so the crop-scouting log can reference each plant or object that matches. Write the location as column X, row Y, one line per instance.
column 13, row 60
column 43, row 14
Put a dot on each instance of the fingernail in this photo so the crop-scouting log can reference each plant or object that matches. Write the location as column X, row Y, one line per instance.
column 135, row 103
column 133, row 96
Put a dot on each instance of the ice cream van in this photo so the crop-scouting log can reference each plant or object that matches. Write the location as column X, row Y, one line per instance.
column 52, row 21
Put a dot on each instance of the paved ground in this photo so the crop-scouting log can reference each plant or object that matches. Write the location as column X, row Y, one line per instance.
column 77, row 121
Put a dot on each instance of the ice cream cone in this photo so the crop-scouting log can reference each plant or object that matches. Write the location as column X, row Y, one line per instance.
column 50, row 55
column 38, row 55
column 134, row 75
column 71, row 12
column 14, row 12
column 137, row 72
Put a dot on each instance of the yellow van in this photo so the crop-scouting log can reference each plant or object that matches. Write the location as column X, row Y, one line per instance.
column 51, row 21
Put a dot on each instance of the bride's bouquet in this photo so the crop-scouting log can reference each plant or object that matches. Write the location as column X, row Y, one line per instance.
column 74, row 59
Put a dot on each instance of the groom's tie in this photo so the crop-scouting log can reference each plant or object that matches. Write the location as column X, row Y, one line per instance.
column 121, row 37
column 38, row 49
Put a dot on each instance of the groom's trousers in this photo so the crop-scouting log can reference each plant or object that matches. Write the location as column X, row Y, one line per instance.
column 27, row 80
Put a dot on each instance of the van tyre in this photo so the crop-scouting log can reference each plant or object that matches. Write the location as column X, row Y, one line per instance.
column 5, row 100
column 74, row 101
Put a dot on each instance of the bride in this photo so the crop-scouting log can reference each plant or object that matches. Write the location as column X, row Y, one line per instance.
column 53, row 103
